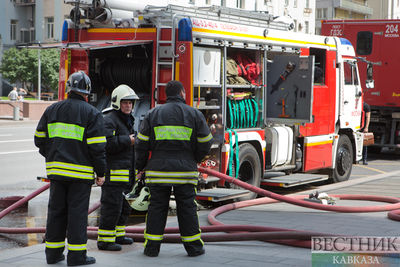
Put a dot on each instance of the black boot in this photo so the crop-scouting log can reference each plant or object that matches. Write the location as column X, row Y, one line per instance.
column 152, row 249
column 123, row 240
column 54, row 260
column 196, row 252
column 194, row 248
column 76, row 258
column 54, row 255
column 110, row 246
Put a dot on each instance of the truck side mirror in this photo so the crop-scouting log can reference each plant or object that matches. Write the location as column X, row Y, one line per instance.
column 369, row 83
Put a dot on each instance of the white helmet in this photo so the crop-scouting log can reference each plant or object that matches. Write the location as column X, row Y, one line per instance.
column 139, row 200
column 122, row 92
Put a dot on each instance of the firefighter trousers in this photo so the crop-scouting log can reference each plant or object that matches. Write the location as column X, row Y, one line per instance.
column 114, row 212
column 186, row 212
column 67, row 216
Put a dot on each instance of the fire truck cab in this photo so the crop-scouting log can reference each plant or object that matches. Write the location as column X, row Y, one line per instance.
column 275, row 100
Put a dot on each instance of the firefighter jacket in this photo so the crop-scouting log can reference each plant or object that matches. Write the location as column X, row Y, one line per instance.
column 70, row 136
column 178, row 137
column 120, row 154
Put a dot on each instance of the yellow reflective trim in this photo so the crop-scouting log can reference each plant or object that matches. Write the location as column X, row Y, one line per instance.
column 69, row 174
column 69, row 166
column 105, row 232
column 120, row 233
column 319, row 143
column 120, row 227
column 143, row 137
column 121, row 172
column 78, row 247
column 55, row 244
column 252, row 36
column 170, row 181
column 172, row 174
column 204, row 139
column 153, row 237
column 173, row 133
column 191, row 238
column 96, row 140
column 65, row 130
column 119, row 178
column 40, row 134
column 106, row 238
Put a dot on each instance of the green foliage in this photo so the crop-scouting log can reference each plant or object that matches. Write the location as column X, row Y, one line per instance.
column 21, row 65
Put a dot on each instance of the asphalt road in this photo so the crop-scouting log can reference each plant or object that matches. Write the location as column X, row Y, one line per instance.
column 19, row 158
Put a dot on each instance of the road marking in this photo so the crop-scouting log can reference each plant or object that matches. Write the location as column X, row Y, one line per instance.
column 21, row 140
column 32, row 238
column 16, row 152
column 372, row 169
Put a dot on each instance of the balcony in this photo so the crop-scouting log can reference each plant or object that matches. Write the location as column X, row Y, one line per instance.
column 24, row 2
column 353, row 6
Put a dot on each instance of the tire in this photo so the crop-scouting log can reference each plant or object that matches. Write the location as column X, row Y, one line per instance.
column 249, row 169
column 344, row 160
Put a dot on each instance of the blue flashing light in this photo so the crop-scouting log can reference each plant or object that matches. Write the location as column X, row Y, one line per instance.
column 185, row 30
column 344, row 41
column 64, row 33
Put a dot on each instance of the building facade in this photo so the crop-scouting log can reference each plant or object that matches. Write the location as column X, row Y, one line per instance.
column 385, row 9
column 341, row 9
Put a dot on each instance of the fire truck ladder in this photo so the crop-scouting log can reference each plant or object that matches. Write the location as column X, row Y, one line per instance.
column 223, row 14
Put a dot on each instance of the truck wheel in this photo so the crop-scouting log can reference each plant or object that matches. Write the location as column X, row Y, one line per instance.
column 344, row 160
column 250, row 169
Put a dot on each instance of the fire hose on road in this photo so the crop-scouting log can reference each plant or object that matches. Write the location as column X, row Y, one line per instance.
column 238, row 232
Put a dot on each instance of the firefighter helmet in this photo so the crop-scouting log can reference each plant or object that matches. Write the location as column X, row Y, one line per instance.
column 139, row 197
column 122, row 92
column 79, row 82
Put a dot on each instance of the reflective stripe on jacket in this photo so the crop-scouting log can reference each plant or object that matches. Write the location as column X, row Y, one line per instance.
column 70, row 136
column 178, row 137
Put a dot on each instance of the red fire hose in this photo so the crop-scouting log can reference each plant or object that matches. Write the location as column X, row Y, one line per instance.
column 238, row 232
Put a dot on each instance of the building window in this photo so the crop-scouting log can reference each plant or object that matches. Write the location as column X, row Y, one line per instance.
column 295, row 24
column 208, row 2
column 319, row 13
column 294, row 3
column 32, row 30
column 49, row 27
column 286, row 2
column 307, row 3
column 307, row 27
column 240, row 4
column 13, row 30
column 325, row 13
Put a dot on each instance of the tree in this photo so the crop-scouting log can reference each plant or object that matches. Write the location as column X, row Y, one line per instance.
column 21, row 65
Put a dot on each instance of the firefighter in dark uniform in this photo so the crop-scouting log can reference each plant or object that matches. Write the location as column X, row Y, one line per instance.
column 70, row 136
column 178, row 137
column 120, row 173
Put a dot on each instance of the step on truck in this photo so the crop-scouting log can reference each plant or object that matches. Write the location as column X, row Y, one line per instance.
column 275, row 100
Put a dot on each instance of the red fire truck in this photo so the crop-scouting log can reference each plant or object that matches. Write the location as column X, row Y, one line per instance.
column 375, row 42
column 275, row 100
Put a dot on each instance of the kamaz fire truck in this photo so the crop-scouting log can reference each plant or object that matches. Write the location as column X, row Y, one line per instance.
column 275, row 100
column 376, row 43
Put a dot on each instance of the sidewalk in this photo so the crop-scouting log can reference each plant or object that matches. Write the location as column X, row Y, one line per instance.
column 251, row 253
